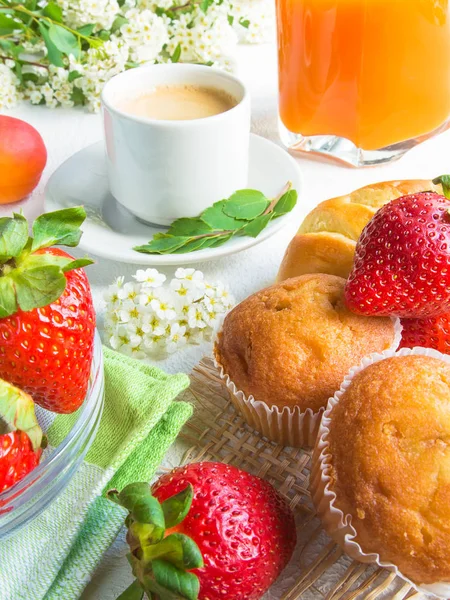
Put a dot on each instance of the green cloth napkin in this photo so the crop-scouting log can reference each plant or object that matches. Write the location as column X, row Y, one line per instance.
column 54, row 557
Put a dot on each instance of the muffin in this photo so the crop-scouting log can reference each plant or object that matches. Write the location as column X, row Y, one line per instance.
column 383, row 458
column 287, row 348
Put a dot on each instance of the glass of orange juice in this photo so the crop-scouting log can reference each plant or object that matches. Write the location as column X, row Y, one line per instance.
column 363, row 80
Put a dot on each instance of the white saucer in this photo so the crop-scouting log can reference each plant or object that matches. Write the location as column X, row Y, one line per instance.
column 110, row 231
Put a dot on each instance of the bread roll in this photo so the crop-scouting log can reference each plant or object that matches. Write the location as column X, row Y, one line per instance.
column 326, row 240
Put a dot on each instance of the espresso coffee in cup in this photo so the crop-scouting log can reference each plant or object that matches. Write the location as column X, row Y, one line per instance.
column 177, row 139
column 179, row 103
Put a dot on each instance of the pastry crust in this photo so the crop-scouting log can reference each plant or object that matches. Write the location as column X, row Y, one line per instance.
column 326, row 240
column 292, row 344
column 390, row 463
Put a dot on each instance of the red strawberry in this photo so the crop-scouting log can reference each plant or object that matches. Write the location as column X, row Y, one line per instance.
column 20, row 438
column 241, row 525
column 402, row 260
column 428, row 333
column 48, row 324
column 17, row 458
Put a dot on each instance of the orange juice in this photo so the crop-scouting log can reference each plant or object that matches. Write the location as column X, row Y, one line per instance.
column 376, row 72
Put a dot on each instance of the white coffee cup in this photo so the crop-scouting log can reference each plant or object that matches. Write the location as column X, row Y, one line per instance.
column 162, row 170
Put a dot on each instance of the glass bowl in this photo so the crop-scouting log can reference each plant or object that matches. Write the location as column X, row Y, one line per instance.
column 30, row 496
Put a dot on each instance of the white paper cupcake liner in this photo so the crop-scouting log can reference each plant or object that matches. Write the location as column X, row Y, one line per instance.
column 286, row 426
column 335, row 522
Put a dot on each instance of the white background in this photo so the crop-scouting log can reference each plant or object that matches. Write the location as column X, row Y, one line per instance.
column 67, row 131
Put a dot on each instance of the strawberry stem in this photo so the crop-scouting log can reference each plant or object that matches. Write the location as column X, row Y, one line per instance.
column 444, row 180
column 161, row 563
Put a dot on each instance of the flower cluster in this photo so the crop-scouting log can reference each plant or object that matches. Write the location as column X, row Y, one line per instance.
column 9, row 93
column 70, row 48
column 147, row 318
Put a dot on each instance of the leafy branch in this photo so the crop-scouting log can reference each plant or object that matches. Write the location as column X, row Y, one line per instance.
column 246, row 212
column 46, row 24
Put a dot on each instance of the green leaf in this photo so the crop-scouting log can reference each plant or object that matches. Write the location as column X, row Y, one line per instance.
column 13, row 236
column 44, row 259
column 7, row 45
column 39, row 286
column 74, row 75
column 30, row 77
column 168, row 577
column 215, row 217
column 221, row 240
column 163, row 245
column 18, row 71
column 246, row 204
column 444, row 180
column 146, row 534
column 118, row 22
column 53, row 11
column 8, row 302
column 230, row 19
column 137, row 498
column 177, row 507
column 176, row 54
column 133, row 592
column 59, row 227
column 8, row 24
column 205, row 4
column 254, row 228
column 104, row 35
column 178, row 549
column 78, row 264
column 78, row 97
column 54, row 56
column 64, row 40
column 198, row 244
column 285, row 204
column 244, row 23
column 188, row 227
column 17, row 410
column 87, row 30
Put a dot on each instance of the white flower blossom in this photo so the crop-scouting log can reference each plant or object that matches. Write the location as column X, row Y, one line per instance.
column 145, row 33
column 175, row 335
column 122, row 34
column 141, row 320
column 9, row 92
column 163, row 309
column 77, row 13
column 150, row 278
column 196, row 317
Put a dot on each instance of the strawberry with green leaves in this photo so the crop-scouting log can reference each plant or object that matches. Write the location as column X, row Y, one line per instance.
column 21, row 439
column 47, row 319
column 206, row 531
column 402, row 258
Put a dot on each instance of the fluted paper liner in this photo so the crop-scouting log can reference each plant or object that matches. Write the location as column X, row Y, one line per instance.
column 336, row 524
column 286, row 426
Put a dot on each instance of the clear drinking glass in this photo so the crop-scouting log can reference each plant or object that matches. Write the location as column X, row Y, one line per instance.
column 30, row 496
column 363, row 81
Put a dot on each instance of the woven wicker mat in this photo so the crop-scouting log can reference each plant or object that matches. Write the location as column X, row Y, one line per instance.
column 318, row 569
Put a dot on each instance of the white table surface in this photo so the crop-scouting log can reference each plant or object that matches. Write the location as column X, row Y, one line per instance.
column 67, row 131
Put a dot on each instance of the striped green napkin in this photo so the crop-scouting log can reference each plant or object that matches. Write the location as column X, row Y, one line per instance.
column 54, row 557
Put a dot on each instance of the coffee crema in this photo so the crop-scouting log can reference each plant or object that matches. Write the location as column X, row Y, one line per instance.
column 179, row 103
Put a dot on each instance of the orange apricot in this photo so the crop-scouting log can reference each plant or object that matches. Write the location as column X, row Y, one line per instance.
column 22, row 159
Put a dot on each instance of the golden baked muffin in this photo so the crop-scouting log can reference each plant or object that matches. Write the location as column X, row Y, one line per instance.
column 291, row 345
column 389, row 443
column 326, row 240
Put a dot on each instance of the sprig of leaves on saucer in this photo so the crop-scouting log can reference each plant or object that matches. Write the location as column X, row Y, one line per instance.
column 246, row 212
